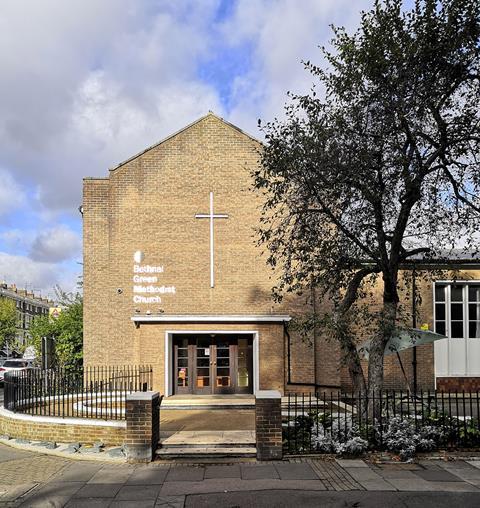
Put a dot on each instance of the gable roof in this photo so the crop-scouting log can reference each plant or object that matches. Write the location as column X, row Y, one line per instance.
column 209, row 114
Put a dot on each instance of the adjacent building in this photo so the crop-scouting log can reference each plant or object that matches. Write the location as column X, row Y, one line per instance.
column 28, row 305
column 173, row 278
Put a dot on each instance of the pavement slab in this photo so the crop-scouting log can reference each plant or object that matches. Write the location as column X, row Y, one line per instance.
column 396, row 473
column 98, row 490
column 257, row 472
column 348, row 463
column 110, row 474
column 361, row 474
column 170, row 501
column 474, row 463
column 437, row 475
column 185, row 474
column 89, row 503
column 138, row 492
column 148, row 475
column 13, row 492
column 132, row 504
column 296, row 472
column 229, row 484
column 223, row 471
column 412, row 484
column 77, row 472
column 37, row 469
column 62, row 489
column 45, row 502
column 455, row 487
column 378, row 484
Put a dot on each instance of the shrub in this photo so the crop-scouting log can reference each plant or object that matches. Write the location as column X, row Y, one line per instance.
column 401, row 437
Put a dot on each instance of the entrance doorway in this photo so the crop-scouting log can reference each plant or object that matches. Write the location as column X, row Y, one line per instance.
column 212, row 364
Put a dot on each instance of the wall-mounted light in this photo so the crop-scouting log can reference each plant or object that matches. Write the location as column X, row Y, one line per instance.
column 80, row 209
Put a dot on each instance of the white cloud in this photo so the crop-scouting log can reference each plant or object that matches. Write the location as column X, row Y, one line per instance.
column 12, row 195
column 26, row 273
column 56, row 244
column 283, row 33
column 85, row 84
column 17, row 239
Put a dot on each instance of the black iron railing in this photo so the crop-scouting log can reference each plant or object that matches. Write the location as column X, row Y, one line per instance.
column 314, row 423
column 91, row 392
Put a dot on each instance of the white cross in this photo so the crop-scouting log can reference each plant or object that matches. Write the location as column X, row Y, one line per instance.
column 211, row 216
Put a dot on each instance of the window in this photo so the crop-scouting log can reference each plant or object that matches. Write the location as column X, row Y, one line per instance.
column 457, row 310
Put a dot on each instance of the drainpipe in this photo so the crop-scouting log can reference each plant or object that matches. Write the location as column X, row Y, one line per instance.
column 414, row 325
column 314, row 309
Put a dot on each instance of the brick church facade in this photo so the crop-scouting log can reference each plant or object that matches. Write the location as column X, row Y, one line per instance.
column 173, row 278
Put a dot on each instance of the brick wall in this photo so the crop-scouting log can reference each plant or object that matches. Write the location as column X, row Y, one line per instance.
column 149, row 203
column 458, row 384
column 268, row 425
column 60, row 430
column 143, row 426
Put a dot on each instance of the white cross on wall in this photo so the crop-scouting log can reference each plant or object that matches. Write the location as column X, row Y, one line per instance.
column 211, row 216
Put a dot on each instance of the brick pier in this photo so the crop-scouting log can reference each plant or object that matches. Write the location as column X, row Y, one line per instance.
column 268, row 424
column 143, row 426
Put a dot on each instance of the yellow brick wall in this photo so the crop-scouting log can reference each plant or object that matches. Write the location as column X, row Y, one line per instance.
column 61, row 432
column 149, row 203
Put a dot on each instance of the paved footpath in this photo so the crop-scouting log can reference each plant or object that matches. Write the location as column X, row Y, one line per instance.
column 31, row 479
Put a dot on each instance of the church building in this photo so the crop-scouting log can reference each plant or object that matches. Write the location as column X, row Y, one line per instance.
column 174, row 278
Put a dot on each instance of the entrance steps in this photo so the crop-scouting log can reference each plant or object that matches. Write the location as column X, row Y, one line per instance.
column 196, row 445
column 189, row 402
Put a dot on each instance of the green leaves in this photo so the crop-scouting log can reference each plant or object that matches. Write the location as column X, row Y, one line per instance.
column 67, row 332
column 8, row 322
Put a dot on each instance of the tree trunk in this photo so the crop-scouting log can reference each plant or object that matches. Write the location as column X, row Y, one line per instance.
column 379, row 341
column 354, row 366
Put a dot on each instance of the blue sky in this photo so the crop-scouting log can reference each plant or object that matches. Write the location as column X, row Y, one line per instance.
column 87, row 83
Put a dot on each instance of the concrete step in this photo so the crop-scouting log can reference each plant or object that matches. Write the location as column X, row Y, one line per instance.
column 205, row 452
column 222, row 402
column 227, row 444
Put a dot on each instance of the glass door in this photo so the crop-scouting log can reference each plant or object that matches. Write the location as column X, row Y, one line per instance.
column 203, row 365
column 244, row 367
column 182, row 366
column 224, row 366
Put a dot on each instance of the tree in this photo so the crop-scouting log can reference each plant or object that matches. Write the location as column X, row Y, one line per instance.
column 66, row 330
column 8, row 322
column 378, row 168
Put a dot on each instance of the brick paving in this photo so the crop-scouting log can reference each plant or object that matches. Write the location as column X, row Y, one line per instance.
column 34, row 480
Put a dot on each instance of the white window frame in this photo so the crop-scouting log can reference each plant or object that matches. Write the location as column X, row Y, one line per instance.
column 448, row 332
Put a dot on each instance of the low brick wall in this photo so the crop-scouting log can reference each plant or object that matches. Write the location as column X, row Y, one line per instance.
column 458, row 384
column 62, row 430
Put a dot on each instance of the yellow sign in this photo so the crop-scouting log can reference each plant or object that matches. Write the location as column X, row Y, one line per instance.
column 54, row 312
column 424, row 327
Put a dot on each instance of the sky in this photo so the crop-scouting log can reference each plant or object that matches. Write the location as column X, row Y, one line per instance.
column 84, row 84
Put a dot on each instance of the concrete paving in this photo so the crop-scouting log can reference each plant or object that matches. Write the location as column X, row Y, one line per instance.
column 35, row 480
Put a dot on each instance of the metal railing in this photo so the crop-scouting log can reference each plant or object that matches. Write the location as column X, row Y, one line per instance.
column 91, row 392
column 310, row 421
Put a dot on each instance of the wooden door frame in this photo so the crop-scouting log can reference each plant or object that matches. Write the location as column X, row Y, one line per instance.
column 168, row 352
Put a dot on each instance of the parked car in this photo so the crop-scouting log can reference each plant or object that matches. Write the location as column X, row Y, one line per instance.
column 15, row 365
